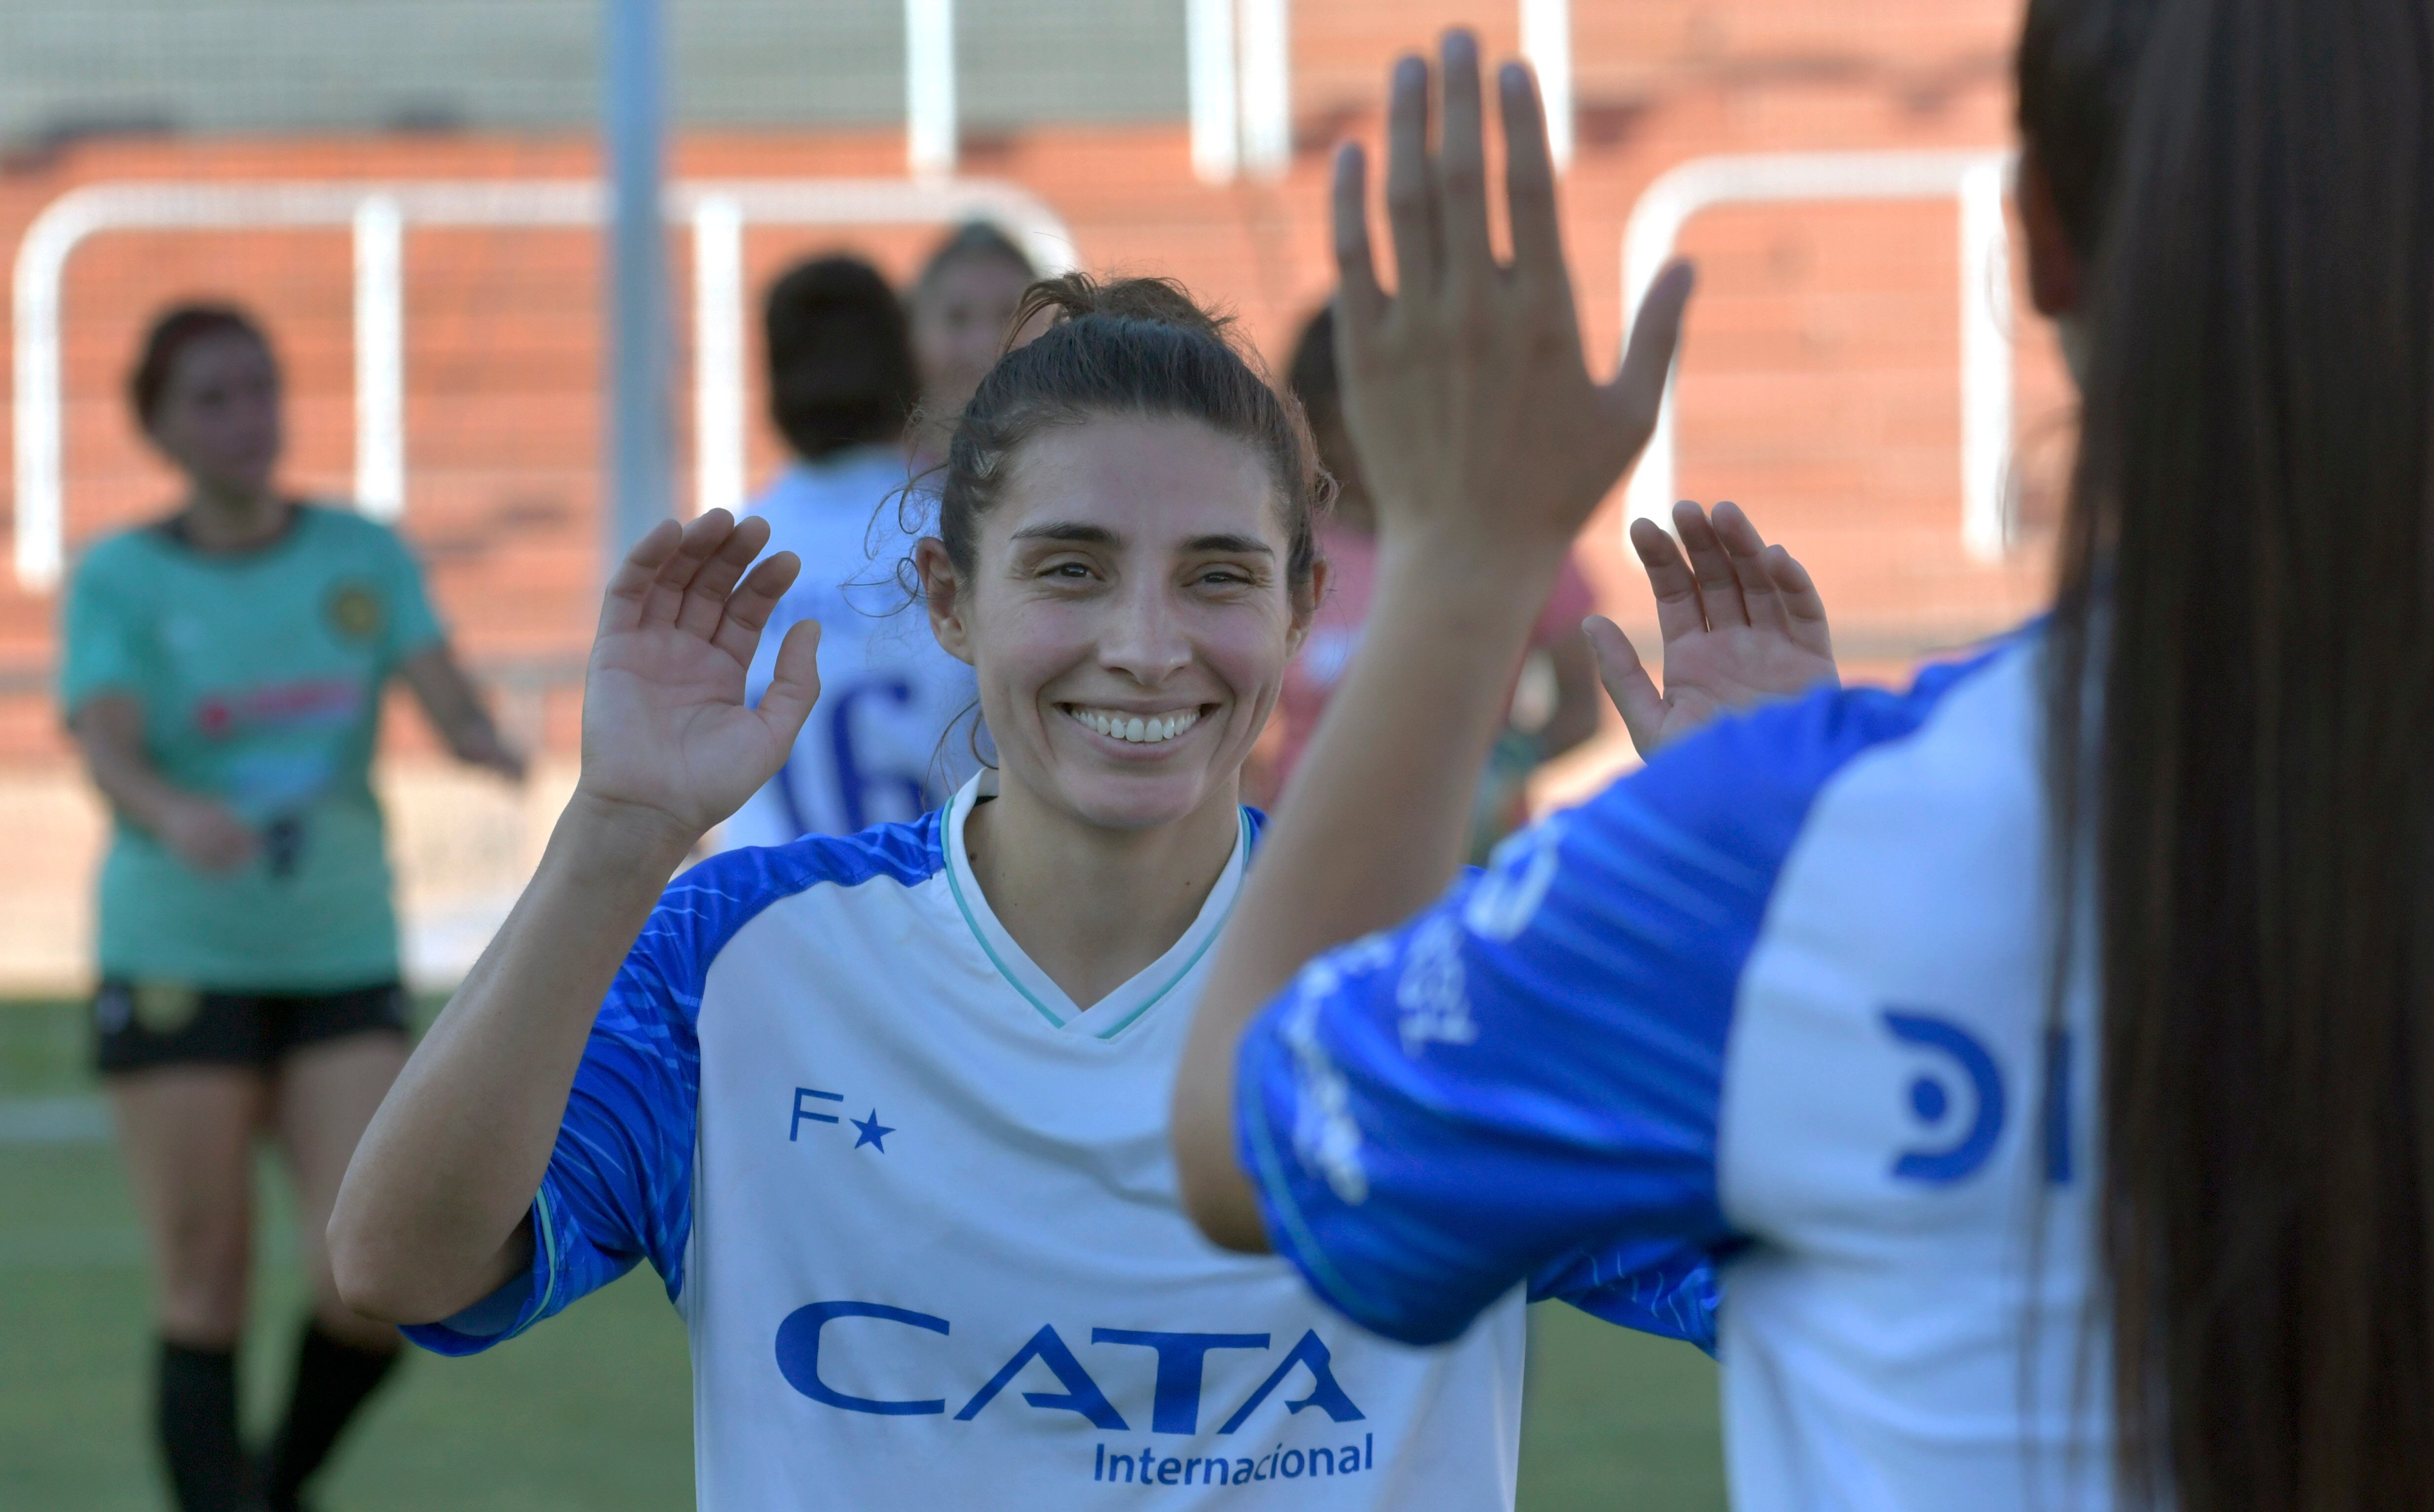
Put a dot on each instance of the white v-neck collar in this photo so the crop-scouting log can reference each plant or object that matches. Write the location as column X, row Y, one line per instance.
column 1118, row 1011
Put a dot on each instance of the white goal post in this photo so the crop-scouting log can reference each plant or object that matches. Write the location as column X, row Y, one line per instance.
column 1978, row 180
column 377, row 216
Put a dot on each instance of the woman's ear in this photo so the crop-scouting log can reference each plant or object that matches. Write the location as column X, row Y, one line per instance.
column 1305, row 607
column 942, row 592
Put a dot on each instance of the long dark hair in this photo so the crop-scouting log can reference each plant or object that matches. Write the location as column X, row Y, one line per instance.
column 2247, row 585
column 1311, row 373
column 1319, row 388
column 840, row 358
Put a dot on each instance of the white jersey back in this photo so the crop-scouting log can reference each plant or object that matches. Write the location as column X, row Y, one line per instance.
column 927, row 1239
column 876, row 749
column 1783, row 994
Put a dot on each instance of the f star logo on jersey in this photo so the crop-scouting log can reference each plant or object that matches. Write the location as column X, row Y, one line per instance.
column 1179, row 1368
column 870, row 1131
column 1963, row 1112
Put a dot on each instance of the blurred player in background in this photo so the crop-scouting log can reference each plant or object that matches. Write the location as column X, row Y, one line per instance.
column 223, row 672
column 1558, row 671
column 961, row 307
column 2047, row 1045
column 842, row 389
column 887, row 1111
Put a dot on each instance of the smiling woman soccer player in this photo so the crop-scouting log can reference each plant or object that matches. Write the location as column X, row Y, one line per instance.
column 887, row 1111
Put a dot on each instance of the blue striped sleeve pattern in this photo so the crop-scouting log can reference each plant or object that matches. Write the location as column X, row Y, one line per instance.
column 1523, row 1081
column 619, row 1186
column 1655, row 1286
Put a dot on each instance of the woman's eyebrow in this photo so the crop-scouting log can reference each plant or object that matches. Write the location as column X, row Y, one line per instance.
column 1073, row 530
column 1230, row 544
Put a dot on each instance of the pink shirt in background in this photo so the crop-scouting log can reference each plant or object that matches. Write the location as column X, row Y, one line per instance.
column 1352, row 579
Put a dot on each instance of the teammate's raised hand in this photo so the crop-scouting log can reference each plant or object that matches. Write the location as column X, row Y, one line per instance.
column 1466, row 389
column 667, row 735
column 1485, row 444
column 1741, row 622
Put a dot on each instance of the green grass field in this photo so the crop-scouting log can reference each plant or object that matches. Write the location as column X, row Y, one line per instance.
column 591, row 1412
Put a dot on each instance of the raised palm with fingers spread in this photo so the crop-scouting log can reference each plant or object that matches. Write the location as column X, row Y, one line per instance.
column 1468, row 388
column 1467, row 385
column 668, row 739
column 1741, row 619
column 1487, row 444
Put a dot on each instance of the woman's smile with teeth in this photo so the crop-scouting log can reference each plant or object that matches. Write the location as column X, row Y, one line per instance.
column 1141, row 730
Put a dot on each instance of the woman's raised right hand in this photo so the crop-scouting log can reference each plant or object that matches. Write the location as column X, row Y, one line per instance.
column 669, row 743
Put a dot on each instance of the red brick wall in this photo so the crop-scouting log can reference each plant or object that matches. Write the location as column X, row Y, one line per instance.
column 1818, row 388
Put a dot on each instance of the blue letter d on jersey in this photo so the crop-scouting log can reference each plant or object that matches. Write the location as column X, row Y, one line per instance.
column 1930, row 1099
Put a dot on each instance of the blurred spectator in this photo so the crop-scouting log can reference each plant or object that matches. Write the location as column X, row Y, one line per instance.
column 961, row 306
column 223, row 670
column 1556, row 702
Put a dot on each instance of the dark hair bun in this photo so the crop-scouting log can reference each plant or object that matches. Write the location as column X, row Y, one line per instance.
column 1152, row 301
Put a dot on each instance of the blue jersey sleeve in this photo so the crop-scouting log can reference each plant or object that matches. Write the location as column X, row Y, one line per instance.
column 1523, row 1082
column 1656, row 1286
column 619, row 1186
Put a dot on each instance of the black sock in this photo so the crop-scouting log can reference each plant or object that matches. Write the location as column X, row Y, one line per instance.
column 198, row 1426
column 333, row 1379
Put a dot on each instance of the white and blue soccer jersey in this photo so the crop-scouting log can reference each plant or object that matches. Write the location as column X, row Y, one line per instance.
column 877, row 747
column 918, row 1211
column 1782, row 995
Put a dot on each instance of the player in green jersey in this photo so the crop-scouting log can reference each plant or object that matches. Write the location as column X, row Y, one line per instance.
column 222, row 672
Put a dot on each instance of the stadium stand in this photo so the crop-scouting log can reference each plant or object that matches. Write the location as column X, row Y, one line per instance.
column 1819, row 386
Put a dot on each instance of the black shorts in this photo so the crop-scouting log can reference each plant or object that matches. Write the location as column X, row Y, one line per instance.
column 141, row 1024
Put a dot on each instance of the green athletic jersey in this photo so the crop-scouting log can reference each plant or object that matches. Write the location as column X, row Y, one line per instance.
column 259, row 674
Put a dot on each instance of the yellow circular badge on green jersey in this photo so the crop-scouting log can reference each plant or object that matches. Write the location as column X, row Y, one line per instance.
column 354, row 611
